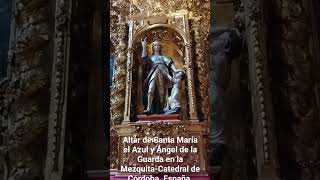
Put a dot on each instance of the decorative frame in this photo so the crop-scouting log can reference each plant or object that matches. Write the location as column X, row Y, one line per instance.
column 176, row 21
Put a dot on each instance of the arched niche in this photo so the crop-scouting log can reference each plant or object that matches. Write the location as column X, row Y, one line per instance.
column 173, row 31
column 172, row 46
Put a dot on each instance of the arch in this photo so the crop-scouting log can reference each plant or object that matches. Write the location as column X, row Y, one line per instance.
column 138, row 34
column 185, row 43
column 172, row 50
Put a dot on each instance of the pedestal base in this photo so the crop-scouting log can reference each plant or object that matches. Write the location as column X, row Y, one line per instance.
column 159, row 118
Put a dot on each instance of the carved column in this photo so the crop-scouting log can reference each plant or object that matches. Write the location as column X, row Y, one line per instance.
column 118, row 13
column 260, row 91
column 128, row 87
column 127, row 108
column 201, row 29
column 190, row 80
column 191, row 93
column 119, row 81
column 59, row 88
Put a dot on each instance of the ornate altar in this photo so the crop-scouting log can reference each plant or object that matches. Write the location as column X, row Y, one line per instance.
column 182, row 29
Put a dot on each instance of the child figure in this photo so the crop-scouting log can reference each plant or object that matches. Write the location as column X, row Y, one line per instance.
column 173, row 103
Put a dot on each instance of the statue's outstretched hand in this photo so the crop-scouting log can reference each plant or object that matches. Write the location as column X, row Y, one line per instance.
column 144, row 42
